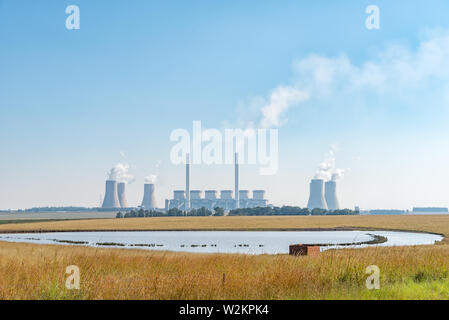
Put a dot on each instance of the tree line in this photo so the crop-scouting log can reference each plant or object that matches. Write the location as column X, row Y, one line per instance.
column 258, row 211
column 289, row 211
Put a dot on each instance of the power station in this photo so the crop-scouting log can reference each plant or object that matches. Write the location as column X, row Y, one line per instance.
column 115, row 195
column 323, row 195
column 193, row 199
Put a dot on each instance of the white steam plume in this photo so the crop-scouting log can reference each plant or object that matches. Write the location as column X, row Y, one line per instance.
column 337, row 81
column 120, row 173
column 152, row 178
column 327, row 169
column 338, row 174
column 281, row 99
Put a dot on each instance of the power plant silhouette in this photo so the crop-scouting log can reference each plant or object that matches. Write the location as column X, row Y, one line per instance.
column 111, row 195
column 192, row 199
column 149, row 200
column 115, row 195
column 323, row 195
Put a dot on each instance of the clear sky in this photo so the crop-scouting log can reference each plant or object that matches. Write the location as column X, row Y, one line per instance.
column 74, row 103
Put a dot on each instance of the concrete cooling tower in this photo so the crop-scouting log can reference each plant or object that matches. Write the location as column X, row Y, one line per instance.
column 122, row 195
column 316, row 199
column 149, row 201
column 330, row 189
column 111, row 196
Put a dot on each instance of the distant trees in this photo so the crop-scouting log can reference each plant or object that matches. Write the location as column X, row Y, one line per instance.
column 202, row 212
column 259, row 211
column 56, row 209
column 287, row 211
column 141, row 213
column 218, row 211
column 175, row 212
column 318, row 212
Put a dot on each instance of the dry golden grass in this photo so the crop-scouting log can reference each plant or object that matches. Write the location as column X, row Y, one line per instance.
column 38, row 272
column 429, row 223
column 30, row 271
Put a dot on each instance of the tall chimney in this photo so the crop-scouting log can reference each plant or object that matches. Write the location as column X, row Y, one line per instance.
column 122, row 195
column 111, row 196
column 149, row 201
column 331, row 195
column 236, row 191
column 316, row 199
column 187, row 206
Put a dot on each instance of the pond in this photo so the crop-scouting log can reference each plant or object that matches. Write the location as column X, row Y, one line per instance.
column 245, row 242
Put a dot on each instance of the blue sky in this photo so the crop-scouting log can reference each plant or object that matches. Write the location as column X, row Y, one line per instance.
column 72, row 100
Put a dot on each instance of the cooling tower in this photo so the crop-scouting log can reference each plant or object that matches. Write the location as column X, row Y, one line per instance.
column 122, row 195
column 149, row 201
column 111, row 196
column 316, row 199
column 330, row 189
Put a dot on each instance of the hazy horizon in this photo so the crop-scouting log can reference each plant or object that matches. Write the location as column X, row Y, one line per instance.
column 75, row 103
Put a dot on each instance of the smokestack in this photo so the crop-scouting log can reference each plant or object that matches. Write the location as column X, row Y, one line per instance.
column 331, row 195
column 149, row 201
column 236, row 191
column 316, row 199
column 122, row 195
column 111, row 196
column 188, row 181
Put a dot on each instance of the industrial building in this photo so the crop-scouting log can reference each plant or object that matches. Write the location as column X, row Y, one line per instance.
column 194, row 199
column 115, row 196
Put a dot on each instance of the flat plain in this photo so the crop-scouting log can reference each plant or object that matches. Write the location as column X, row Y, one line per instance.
column 31, row 271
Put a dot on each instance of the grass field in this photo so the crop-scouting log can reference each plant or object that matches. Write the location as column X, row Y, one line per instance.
column 29, row 271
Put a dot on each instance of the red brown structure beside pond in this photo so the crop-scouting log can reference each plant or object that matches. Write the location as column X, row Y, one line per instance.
column 304, row 250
